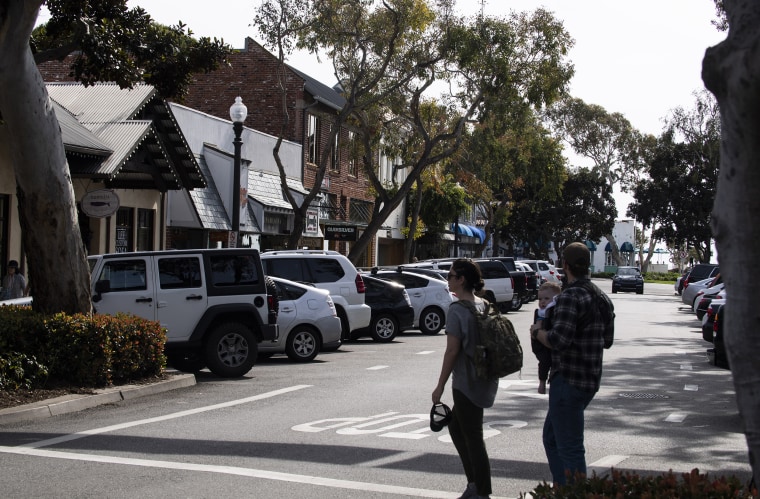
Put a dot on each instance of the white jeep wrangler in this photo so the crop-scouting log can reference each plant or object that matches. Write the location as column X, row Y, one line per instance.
column 214, row 303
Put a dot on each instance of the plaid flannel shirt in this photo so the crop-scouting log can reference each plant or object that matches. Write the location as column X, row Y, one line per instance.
column 577, row 338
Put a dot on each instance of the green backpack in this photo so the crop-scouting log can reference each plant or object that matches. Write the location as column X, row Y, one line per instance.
column 497, row 348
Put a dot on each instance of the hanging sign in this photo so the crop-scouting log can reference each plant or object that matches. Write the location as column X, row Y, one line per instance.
column 100, row 204
column 340, row 232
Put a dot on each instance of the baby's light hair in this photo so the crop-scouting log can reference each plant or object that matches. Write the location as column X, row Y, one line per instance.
column 551, row 286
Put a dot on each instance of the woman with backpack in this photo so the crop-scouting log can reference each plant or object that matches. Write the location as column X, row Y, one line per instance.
column 471, row 394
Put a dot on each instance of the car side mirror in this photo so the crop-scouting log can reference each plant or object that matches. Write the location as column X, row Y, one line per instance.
column 101, row 287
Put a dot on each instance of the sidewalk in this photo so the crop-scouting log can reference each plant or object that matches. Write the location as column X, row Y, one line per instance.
column 77, row 402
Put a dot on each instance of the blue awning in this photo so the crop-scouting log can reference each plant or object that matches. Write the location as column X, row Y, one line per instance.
column 608, row 248
column 463, row 229
column 591, row 245
column 626, row 248
column 479, row 233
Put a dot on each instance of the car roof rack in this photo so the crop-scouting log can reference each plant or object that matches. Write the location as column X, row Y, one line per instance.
column 301, row 252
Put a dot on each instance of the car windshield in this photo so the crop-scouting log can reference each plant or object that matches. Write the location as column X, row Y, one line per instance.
column 628, row 272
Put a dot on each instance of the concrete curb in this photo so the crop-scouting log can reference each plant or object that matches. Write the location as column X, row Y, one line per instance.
column 76, row 402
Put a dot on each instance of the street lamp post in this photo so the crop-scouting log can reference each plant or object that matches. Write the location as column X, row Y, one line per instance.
column 238, row 113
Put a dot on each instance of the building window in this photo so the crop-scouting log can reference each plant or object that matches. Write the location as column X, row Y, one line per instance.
column 312, row 140
column 335, row 153
column 275, row 223
column 124, row 227
column 353, row 152
column 145, row 229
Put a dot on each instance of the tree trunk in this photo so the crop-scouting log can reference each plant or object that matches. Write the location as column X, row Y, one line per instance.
column 731, row 71
column 615, row 250
column 379, row 216
column 58, row 270
column 409, row 246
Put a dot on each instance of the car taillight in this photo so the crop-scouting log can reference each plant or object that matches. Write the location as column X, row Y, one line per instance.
column 331, row 304
column 272, row 306
column 360, row 288
column 715, row 323
column 407, row 299
column 686, row 283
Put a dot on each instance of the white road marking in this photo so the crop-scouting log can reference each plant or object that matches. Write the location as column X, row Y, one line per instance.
column 609, row 461
column 174, row 415
column 691, row 388
column 376, row 368
column 505, row 384
column 533, row 395
column 234, row 470
column 676, row 417
column 425, row 352
column 686, row 366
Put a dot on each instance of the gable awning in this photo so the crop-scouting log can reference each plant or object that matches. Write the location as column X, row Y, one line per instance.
column 146, row 148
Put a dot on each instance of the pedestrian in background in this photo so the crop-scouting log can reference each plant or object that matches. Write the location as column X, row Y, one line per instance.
column 580, row 331
column 547, row 297
column 14, row 284
column 471, row 395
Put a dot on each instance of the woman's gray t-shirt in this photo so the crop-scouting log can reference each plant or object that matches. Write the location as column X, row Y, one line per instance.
column 461, row 324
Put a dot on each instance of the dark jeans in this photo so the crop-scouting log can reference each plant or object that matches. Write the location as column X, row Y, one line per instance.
column 563, row 429
column 466, row 430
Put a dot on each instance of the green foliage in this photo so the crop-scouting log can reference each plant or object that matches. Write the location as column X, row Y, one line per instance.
column 442, row 202
column 19, row 371
column 115, row 43
column 621, row 484
column 140, row 347
column 677, row 193
column 21, row 330
column 94, row 351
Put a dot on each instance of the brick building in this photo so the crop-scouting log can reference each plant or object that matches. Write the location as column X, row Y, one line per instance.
column 312, row 108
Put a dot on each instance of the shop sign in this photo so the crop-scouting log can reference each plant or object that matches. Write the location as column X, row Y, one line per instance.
column 100, row 204
column 340, row 232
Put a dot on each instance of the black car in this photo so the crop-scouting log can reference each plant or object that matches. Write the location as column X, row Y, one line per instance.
column 628, row 279
column 392, row 311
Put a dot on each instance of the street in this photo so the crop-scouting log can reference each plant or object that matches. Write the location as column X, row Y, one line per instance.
column 354, row 423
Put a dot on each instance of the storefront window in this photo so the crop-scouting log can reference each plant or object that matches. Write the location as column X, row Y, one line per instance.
column 124, row 228
column 145, row 229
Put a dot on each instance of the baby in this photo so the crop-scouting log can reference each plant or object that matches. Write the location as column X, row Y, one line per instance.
column 547, row 297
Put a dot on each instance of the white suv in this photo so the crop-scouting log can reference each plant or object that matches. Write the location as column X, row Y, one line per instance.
column 328, row 270
column 545, row 270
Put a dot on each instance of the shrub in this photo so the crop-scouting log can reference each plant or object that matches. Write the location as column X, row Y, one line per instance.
column 693, row 485
column 19, row 371
column 21, row 330
column 140, row 347
column 91, row 351
column 79, row 349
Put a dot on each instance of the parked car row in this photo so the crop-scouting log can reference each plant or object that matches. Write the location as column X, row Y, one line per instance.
column 702, row 290
column 305, row 301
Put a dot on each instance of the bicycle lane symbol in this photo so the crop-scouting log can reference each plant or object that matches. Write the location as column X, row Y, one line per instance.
column 391, row 422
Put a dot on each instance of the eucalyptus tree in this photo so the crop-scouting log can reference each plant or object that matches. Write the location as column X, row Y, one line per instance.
column 110, row 43
column 414, row 75
column 731, row 71
column 609, row 140
column 677, row 190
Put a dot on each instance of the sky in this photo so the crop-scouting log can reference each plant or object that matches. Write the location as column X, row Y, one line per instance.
column 641, row 59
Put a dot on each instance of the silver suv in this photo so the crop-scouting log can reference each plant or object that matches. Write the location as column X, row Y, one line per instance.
column 328, row 270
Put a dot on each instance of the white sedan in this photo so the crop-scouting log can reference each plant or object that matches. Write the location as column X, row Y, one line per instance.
column 430, row 297
column 308, row 322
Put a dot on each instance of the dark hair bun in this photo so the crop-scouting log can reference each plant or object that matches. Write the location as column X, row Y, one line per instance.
column 479, row 285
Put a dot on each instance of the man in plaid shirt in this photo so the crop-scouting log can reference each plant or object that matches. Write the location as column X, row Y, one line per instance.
column 580, row 331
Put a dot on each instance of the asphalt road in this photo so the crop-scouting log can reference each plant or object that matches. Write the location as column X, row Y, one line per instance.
column 354, row 423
